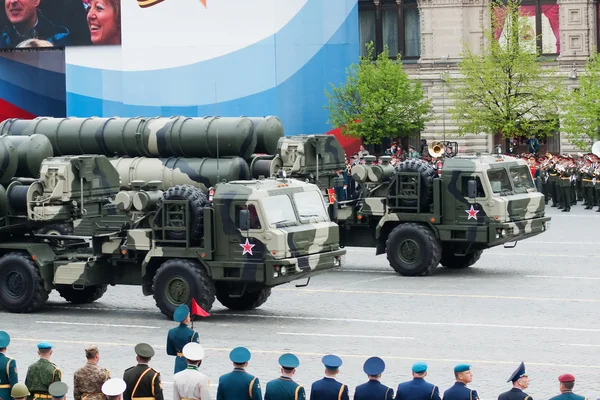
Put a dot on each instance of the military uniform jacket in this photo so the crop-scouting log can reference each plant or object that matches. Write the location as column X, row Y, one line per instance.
column 568, row 395
column 87, row 382
column 191, row 384
column 328, row 389
column 143, row 383
column 176, row 339
column 239, row 385
column 460, row 391
column 40, row 375
column 284, row 388
column 8, row 376
column 514, row 394
column 417, row 389
column 373, row 390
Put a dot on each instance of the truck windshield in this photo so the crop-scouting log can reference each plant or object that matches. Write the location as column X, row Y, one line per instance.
column 278, row 210
column 310, row 205
column 499, row 181
column 521, row 177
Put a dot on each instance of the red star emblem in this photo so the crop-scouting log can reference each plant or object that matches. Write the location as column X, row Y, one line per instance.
column 472, row 213
column 247, row 247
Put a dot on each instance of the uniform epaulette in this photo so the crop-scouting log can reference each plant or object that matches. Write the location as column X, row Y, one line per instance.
column 155, row 370
column 130, row 368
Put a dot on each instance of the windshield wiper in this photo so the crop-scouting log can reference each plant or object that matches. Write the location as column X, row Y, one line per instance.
column 308, row 215
column 282, row 221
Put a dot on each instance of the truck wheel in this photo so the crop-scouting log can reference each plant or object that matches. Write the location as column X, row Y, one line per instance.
column 177, row 281
column 21, row 286
column 452, row 261
column 413, row 250
column 87, row 295
column 56, row 229
column 427, row 173
column 197, row 200
column 248, row 301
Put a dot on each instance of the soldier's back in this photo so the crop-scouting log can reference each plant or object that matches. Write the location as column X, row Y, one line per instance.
column 238, row 385
column 328, row 388
column 373, row 390
column 88, row 381
column 177, row 338
column 459, row 391
column 145, row 380
column 568, row 396
column 40, row 375
column 514, row 394
column 417, row 389
column 284, row 389
column 8, row 375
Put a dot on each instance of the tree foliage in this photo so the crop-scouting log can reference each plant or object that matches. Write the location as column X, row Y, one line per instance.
column 581, row 120
column 505, row 88
column 378, row 100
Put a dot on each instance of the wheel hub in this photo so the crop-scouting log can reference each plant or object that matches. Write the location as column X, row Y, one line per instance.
column 15, row 284
column 409, row 251
column 178, row 290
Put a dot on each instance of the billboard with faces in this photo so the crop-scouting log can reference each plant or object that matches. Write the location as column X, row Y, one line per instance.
column 59, row 23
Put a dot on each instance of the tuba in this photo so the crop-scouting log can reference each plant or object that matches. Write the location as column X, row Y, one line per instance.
column 436, row 149
column 596, row 149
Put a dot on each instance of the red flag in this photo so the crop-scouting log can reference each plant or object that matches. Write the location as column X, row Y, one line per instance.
column 331, row 194
column 197, row 310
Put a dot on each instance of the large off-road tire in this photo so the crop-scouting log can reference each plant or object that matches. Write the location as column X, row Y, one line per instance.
column 197, row 200
column 87, row 295
column 453, row 261
column 21, row 286
column 427, row 174
column 413, row 250
column 248, row 301
column 56, row 229
column 179, row 280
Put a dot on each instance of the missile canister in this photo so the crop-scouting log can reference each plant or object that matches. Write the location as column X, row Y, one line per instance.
column 148, row 137
column 9, row 160
column 31, row 151
column 268, row 131
column 383, row 172
column 199, row 172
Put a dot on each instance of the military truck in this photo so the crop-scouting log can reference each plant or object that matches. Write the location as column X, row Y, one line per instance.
column 74, row 228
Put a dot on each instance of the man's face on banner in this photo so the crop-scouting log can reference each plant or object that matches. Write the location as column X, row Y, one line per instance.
column 22, row 12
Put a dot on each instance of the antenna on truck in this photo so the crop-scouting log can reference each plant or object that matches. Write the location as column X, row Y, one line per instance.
column 217, row 103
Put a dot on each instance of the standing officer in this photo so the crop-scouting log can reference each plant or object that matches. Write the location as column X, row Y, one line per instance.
column 58, row 390
column 567, row 382
column 418, row 388
column 19, row 392
column 460, row 391
column 238, row 384
column 113, row 388
column 8, row 368
column 88, row 380
column 520, row 381
column 284, row 388
column 373, row 389
column 142, row 380
column 191, row 383
column 42, row 373
column 329, row 388
column 180, row 336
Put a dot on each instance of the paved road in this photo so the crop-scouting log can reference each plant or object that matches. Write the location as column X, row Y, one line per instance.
column 537, row 302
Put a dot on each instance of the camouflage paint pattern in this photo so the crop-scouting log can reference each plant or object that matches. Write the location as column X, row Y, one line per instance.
column 308, row 154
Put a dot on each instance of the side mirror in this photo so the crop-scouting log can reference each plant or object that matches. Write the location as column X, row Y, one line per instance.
column 244, row 218
column 472, row 188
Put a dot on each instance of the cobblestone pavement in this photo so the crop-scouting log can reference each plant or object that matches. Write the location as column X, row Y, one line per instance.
column 537, row 302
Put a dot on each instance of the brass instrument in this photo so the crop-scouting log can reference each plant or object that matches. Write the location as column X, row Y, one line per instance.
column 436, row 149
column 596, row 149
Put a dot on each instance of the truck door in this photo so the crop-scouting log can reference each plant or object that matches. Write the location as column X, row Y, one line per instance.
column 246, row 247
column 467, row 208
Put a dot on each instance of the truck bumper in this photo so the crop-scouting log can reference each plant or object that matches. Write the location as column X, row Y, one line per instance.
column 291, row 269
column 513, row 231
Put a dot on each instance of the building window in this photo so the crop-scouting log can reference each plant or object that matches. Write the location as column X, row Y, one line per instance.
column 394, row 23
column 543, row 22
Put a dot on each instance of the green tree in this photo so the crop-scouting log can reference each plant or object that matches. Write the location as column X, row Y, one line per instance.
column 378, row 100
column 505, row 88
column 581, row 120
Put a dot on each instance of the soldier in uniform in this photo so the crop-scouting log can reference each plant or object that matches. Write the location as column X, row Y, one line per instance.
column 19, row 392
column 58, row 390
column 143, row 381
column 191, row 384
column 565, row 185
column 460, row 391
column 180, row 336
column 88, row 380
column 418, row 388
column 42, row 373
column 238, row 384
column 373, row 389
column 8, row 368
column 329, row 388
column 113, row 388
column 567, row 382
column 520, row 381
column 284, row 388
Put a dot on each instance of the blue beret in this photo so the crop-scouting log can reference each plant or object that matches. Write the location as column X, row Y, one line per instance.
column 519, row 372
column 289, row 360
column 419, row 367
column 181, row 313
column 462, row 368
column 331, row 361
column 44, row 345
column 239, row 355
column 374, row 366
column 4, row 339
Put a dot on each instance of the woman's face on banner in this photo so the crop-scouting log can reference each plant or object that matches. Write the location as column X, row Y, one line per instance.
column 102, row 22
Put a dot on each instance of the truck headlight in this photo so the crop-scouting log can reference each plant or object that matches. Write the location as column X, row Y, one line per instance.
column 283, row 271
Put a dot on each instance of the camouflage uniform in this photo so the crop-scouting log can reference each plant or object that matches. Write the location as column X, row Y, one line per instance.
column 88, row 381
column 40, row 375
